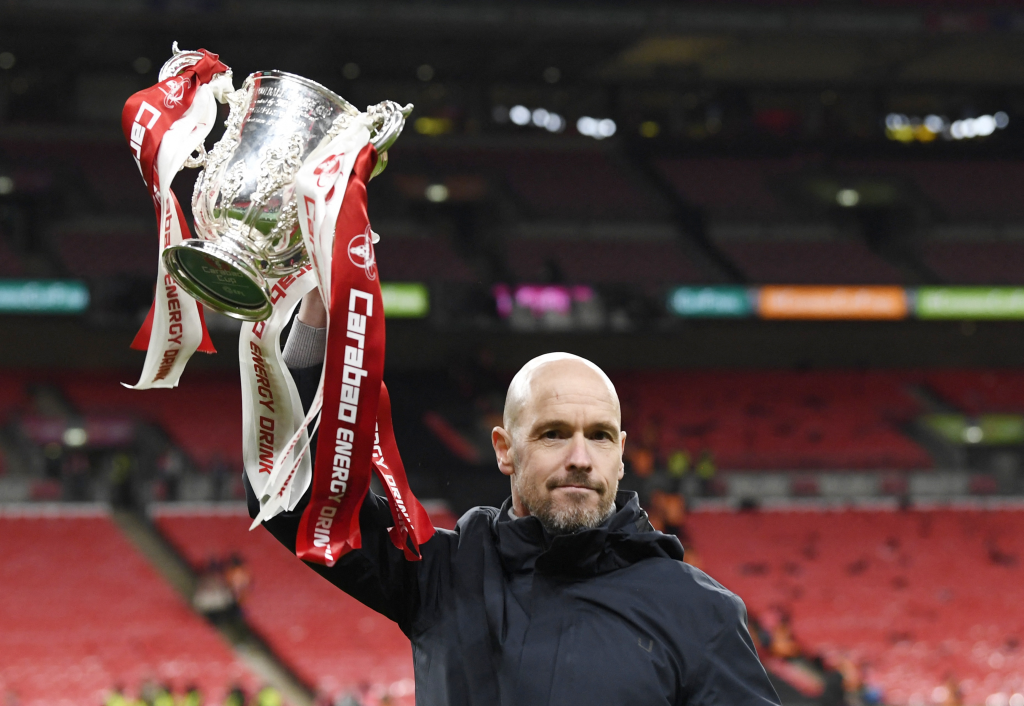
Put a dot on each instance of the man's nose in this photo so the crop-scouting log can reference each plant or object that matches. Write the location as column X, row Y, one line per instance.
column 579, row 453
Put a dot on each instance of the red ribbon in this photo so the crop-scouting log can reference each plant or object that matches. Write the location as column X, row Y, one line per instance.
column 355, row 424
column 147, row 116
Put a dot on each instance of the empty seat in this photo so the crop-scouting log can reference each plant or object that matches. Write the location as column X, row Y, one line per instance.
column 329, row 639
column 887, row 589
column 83, row 612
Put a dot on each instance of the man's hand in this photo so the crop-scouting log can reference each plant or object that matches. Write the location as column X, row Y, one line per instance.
column 312, row 311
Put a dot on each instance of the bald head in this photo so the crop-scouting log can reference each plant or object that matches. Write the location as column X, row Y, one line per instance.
column 565, row 366
column 562, row 441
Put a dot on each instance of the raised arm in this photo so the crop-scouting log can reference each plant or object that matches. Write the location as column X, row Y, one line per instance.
column 378, row 574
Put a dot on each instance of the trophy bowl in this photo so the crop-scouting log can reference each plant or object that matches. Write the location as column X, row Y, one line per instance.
column 247, row 229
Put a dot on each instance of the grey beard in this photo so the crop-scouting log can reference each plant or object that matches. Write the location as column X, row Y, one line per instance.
column 568, row 519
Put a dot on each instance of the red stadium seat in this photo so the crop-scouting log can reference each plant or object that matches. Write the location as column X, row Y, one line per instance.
column 916, row 595
column 329, row 639
column 83, row 612
column 779, row 420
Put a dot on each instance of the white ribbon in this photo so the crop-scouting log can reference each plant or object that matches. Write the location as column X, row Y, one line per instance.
column 177, row 330
column 318, row 215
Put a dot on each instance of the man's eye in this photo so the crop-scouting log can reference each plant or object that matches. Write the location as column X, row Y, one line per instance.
column 602, row 436
column 551, row 434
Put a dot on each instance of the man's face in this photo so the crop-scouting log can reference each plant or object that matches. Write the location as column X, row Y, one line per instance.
column 564, row 452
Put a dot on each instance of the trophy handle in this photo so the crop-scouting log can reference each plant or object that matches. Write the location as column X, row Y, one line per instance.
column 388, row 120
column 197, row 159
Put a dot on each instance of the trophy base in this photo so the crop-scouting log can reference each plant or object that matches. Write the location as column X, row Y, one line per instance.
column 211, row 272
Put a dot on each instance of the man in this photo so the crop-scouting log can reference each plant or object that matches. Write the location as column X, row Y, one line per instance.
column 565, row 595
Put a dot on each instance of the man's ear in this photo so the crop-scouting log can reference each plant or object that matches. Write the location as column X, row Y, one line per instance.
column 622, row 454
column 501, row 440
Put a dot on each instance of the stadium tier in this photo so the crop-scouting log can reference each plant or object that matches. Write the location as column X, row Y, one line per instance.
column 419, row 258
column 602, row 262
column 731, row 188
column 202, row 415
column 10, row 263
column 333, row 642
column 83, row 612
column 748, row 420
column 914, row 597
column 980, row 391
column 981, row 263
column 971, row 190
column 106, row 252
column 564, row 184
column 795, row 262
column 775, row 419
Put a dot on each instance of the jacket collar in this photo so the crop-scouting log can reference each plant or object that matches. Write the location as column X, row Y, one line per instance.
column 623, row 539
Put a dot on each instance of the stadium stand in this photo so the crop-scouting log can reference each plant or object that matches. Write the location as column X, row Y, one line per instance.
column 914, row 597
column 215, row 433
column 967, row 190
column 329, row 639
column 98, row 171
column 981, row 263
column 796, row 262
column 639, row 261
column 106, row 252
column 980, row 391
column 775, row 419
column 565, row 184
column 419, row 258
column 734, row 189
column 83, row 612
column 10, row 263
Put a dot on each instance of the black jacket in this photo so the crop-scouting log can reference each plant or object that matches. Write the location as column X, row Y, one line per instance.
column 499, row 612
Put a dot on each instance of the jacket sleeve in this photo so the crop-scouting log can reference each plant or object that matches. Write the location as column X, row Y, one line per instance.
column 729, row 672
column 377, row 575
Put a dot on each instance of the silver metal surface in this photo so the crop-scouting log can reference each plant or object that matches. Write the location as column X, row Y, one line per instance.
column 244, row 202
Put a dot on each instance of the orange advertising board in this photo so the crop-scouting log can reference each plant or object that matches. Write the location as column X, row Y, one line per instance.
column 799, row 302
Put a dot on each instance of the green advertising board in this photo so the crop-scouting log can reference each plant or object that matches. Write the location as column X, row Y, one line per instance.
column 405, row 300
column 710, row 302
column 36, row 296
column 970, row 303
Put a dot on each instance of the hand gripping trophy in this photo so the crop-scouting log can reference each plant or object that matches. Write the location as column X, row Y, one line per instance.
column 279, row 209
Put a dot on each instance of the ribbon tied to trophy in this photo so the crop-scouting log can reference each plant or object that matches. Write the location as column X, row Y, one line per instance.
column 279, row 209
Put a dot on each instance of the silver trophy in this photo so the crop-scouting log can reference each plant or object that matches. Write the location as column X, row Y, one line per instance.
column 243, row 203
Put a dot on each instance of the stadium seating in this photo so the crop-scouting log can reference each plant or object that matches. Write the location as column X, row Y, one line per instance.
column 980, row 391
column 419, row 259
column 916, row 596
column 734, row 189
column 796, row 262
column 564, row 184
column 83, row 612
column 602, row 262
column 775, row 419
column 982, row 263
column 203, row 414
column 10, row 263
column 331, row 641
column 106, row 253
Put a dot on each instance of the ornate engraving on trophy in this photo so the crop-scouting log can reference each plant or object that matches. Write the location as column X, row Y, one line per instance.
column 245, row 212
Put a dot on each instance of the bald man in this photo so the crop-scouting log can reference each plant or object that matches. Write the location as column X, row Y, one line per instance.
column 565, row 595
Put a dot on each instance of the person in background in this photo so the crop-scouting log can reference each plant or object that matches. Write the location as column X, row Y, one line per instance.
column 191, row 697
column 706, row 470
column 116, row 697
column 833, row 693
column 235, row 697
column 238, row 578
column 268, row 696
